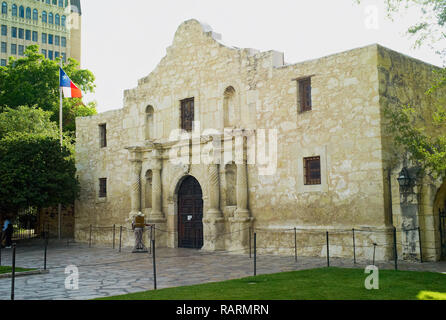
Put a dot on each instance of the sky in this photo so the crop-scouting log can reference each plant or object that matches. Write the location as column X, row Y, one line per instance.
column 123, row 41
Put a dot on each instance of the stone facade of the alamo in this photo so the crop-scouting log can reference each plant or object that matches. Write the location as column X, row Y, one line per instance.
column 311, row 152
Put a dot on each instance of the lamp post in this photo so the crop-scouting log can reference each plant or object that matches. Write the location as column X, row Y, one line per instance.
column 404, row 180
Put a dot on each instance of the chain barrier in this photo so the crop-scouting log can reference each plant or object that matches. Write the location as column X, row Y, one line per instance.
column 286, row 242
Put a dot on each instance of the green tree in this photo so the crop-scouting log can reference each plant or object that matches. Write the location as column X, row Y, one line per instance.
column 27, row 120
column 430, row 29
column 34, row 81
column 35, row 172
column 422, row 133
column 32, row 121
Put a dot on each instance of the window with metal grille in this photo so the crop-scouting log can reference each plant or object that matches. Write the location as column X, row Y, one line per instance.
column 187, row 114
column 102, row 187
column 305, row 94
column 312, row 170
column 103, row 135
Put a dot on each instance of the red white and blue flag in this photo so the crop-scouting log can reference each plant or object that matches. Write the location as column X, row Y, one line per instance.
column 68, row 87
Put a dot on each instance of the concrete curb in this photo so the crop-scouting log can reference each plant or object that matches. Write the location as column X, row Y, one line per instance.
column 24, row 274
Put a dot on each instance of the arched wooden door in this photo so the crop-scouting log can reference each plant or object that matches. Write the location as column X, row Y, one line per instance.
column 190, row 214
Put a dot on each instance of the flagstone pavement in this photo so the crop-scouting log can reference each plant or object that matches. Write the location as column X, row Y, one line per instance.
column 107, row 272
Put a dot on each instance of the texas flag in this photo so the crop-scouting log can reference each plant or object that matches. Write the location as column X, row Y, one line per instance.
column 68, row 87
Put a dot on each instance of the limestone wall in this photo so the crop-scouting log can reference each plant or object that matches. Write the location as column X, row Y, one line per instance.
column 404, row 81
column 344, row 129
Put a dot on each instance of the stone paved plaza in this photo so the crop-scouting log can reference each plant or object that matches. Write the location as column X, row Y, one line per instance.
column 106, row 272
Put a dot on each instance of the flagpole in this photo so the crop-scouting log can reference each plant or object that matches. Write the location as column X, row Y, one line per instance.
column 59, row 209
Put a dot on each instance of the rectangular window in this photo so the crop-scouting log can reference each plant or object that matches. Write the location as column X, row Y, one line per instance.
column 21, row 33
column 102, row 187
column 56, row 54
column 64, row 57
column 57, row 40
column 13, row 48
column 3, row 63
column 312, row 170
column 305, row 94
column 64, row 42
column 28, row 35
column 50, row 54
column 43, row 37
column 21, row 50
column 103, row 135
column 44, row 53
column 14, row 32
column 35, row 36
column 50, row 39
column 187, row 114
column 4, row 30
column 4, row 49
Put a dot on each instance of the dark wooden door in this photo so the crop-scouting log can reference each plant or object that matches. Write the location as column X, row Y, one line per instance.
column 190, row 214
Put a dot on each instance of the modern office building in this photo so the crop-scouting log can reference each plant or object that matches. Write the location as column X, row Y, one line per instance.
column 54, row 25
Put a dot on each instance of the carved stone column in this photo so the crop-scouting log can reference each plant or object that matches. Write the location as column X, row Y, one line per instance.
column 242, row 191
column 241, row 223
column 156, row 216
column 214, row 191
column 213, row 222
column 135, row 188
column 156, row 188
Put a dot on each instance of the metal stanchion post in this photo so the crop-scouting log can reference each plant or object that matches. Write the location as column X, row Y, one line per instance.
column 295, row 244
column 151, row 237
column 255, row 254
column 395, row 249
column 328, row 251
column 45, row 253
column 354, row 246
column 250, row 231
column 13, row 270
column 114, row 233
column 374, row 251
column 120, row 238
column 154, row 264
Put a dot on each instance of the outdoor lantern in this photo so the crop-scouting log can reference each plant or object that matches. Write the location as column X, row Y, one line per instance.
column 404, row 179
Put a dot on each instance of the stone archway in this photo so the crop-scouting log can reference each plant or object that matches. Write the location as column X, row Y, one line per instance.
column 440, row 217
column 190, row 214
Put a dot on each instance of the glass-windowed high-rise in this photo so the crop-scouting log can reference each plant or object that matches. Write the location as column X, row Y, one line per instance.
column 54, row 25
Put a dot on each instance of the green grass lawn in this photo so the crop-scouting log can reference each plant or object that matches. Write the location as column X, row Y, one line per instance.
column 315, row 284
column 5, row 269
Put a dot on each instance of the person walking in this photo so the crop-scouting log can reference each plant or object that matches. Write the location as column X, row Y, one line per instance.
column 2, row 234
column 7, row 231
